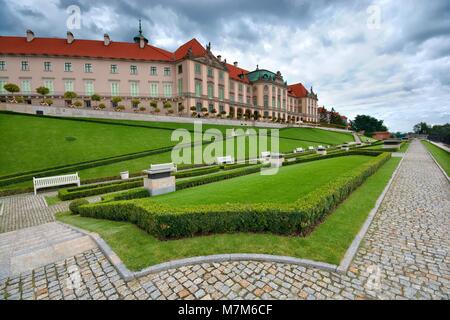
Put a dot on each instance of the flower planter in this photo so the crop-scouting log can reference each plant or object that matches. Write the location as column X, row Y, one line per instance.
column 124, row 175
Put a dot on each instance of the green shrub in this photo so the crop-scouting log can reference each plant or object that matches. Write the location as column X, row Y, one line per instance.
column 92, row 190
column 75, row 205
column 196, row 172
column 127, row 195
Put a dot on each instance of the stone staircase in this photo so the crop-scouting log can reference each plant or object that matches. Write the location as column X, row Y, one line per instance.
column 27, row 249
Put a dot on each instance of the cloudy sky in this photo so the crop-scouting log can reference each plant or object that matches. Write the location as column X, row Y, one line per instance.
column 386, row 58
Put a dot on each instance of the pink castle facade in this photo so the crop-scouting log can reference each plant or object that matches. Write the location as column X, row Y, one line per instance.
column 191, row 81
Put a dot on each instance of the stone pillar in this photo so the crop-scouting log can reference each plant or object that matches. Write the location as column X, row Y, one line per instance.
column 159, row 180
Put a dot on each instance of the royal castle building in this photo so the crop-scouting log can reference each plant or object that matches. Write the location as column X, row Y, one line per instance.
column 191, row 81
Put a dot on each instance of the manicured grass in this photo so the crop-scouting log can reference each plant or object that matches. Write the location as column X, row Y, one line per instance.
column 328, row 242
column 404, row 147
column 30, row 143
column 317, row 135
column 289, row 184
column 52, row 200
column 441, row 156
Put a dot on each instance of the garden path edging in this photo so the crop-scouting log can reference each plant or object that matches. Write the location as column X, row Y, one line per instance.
column 351, row 251
column 128, row 275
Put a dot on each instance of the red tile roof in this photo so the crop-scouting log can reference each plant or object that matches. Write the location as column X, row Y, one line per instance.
column 234, row 73
column 197, row 49
column 298, row 90
column 82, row 48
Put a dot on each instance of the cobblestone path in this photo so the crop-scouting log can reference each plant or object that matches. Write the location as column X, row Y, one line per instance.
column 404, row 255
column 26, row 211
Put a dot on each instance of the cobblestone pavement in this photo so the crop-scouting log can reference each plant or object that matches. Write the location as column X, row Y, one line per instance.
column 404, row 255
column 26, row 211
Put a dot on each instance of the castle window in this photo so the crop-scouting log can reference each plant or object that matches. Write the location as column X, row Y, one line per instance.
column 114, row 68
column 133, row 69
column 25, row 66
column 47, row 66
column 167, row 71
column 67, row 67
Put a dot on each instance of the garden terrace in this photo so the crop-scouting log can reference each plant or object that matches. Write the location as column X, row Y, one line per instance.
column 245, row 207
column 327, row 243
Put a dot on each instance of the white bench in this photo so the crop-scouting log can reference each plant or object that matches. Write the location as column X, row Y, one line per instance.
column 225, row 160
column 310, row 148
column 162, row 167
column 54, row 181
column 298, row 150
column 265, row 154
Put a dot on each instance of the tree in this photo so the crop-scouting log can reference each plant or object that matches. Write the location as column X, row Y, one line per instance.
column 116, row 100
column 422, row 128
column 97, row 98
column 153, row 104
column 135, row 102
column 368, row 124
column 168, row 107
column 12, row 88
column 70, row 95
column 440, row 133
column 43, row 91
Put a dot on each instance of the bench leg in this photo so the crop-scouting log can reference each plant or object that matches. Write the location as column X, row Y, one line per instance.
column 35, row 193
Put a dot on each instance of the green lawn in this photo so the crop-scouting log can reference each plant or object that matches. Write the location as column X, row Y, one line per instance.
column 317, row 135
column 328, row 242
column 441, row 156
column 31, row 143
column 289, row 184
column 52, row 200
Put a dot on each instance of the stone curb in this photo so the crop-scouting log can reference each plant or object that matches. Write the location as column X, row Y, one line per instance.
column 128, row 275
column 439, row 166
column 352, row 250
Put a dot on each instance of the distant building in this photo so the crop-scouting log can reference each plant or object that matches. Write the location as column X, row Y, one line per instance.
column 191, row 78
column 381, row 135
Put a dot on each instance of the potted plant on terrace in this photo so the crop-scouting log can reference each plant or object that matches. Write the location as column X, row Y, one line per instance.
column 70, row 95
column 43, row 91
column 97, row 98
column 12, row 88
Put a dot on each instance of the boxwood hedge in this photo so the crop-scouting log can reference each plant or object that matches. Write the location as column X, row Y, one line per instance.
column 92, row 190
column 297, row 218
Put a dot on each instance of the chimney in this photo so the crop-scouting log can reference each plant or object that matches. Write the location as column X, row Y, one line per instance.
column 106, row 39
column 219, row 57
column 30, row 35
column 70, row 37
column 235, row 63
column 142, row 42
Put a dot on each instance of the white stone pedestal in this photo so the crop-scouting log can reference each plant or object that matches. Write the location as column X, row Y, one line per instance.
column 159, row 185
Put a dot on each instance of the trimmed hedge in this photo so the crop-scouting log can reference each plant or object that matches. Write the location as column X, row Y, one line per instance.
column 136, row 193
column 196, row 172
column 297, row 218
column 75, row 204
column 93, row 190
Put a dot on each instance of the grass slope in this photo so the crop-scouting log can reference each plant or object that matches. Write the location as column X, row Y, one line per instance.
column 328, row 242
column 441, row 156
column 317, row 135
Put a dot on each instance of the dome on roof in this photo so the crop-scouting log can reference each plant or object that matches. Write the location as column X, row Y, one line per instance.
column 138, row 37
